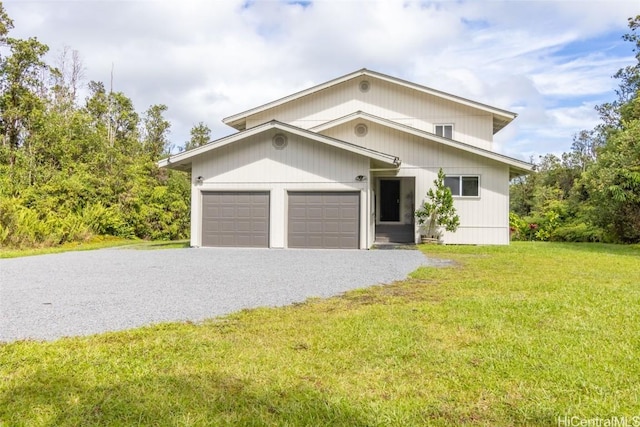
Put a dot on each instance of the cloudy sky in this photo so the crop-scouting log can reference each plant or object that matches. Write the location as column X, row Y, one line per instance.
column 550, row 61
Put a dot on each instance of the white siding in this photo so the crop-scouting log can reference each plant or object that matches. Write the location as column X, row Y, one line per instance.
column 386, row 100
column 254, row 164
column 484, row 219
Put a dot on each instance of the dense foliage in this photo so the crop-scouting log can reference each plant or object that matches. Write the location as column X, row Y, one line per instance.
column 591, row 193
column 70, row 170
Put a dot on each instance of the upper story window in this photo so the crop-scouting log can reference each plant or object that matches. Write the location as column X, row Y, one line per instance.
column 463, row 185
column 444, row 130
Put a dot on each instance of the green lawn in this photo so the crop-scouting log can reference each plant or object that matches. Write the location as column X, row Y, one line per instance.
column 96, row 243
column 517, row 335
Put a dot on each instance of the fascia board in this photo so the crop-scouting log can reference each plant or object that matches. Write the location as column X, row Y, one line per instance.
column 505, row 115
column 519, row 164
column 376, row 155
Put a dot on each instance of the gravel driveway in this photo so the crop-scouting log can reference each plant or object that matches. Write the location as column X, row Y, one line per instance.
column 80, row 293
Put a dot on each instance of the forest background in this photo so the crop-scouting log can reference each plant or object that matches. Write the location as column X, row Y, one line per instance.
column 72, row 169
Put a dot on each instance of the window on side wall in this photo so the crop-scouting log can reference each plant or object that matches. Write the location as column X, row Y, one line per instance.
column 463, row 185
column 444, row 131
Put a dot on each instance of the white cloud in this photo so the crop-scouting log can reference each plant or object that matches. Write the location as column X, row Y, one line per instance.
column 210, row 59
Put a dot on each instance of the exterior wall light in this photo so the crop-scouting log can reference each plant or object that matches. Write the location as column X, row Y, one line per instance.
column 199, row 180
column 361, row 178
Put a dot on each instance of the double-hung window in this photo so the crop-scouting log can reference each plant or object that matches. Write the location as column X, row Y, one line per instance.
column 463, row 185
column 444, row 130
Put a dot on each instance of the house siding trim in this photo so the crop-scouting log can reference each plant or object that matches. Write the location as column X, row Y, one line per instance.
column 517, row 167
column 179, row 161
column 501, row 117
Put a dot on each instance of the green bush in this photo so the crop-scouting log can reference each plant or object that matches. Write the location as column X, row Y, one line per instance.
column 20, row 225
column 580, row 232
column 105, row 220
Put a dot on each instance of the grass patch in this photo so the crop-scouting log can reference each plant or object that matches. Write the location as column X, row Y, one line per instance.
column 517, row 335
column 95, row 243
column 152, row 245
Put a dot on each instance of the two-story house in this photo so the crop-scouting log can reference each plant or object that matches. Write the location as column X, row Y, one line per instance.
column 345, row 163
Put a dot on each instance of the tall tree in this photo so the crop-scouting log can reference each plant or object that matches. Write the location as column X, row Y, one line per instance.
column 200, row 135
column 156, row 131
column 21, row 89
column 6, row 24
column 69, row 172
column 613, row 182
column 67, row 80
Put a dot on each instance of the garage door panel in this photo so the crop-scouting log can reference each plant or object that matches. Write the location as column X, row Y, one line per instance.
column 296, row 212
column 324, row 220
column 228, row 227
column 332, row 227
column 347, row 226
column 333, row 198
column 259, row 227
column 244, row 226
column 348, row 212
column 332, row 213
column 236, row 219
column 259, row 211
column 314, row 212
column 344, row 242
column 244, row 212
column 314, row 242
column 332, row 241
column 297, row 227
column 227, row 212
column 314, row 227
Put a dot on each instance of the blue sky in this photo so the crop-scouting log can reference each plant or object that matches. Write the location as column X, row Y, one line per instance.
column 550, row 61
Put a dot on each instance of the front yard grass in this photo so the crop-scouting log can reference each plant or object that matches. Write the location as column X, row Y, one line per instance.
column 530, row 334
column 99, row 242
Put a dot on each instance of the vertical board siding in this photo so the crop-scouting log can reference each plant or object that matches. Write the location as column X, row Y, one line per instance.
column 303, row 160
column 255, row 165
column 484, row 219
column 386, row 100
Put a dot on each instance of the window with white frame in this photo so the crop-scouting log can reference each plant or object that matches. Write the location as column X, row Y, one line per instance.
column 463, row 185
column 444, row 130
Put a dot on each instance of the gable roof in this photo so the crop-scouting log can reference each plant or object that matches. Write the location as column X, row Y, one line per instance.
column 501, row 118
column 516, row 167
column 182, row 161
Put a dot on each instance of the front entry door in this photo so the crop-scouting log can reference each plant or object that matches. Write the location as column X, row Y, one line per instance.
column 390, row 200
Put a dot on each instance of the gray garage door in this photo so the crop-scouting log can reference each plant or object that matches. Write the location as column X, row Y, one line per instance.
column 235, row 219
column 324, row 220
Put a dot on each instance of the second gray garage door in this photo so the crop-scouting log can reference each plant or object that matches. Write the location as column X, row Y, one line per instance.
column 235, row 219
column 324, row 220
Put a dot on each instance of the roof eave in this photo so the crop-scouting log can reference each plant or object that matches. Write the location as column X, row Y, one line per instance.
column 517, row 165
column 516, row 171
column 238, row 121
column 182, row 161
column 238, row 118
